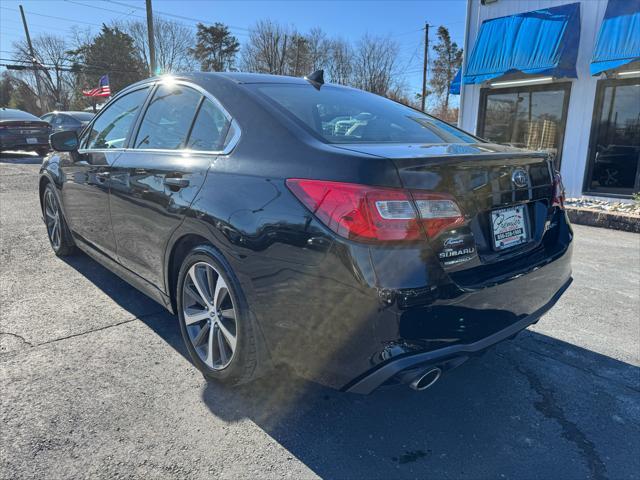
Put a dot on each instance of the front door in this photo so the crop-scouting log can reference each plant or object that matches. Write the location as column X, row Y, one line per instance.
column 85, row 190
column 154, row 182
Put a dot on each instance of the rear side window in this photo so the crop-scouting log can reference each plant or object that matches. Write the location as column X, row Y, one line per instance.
column 168, row 118
column 111, row 128
column 342, row 115
column 67, row 120
column 209, row 129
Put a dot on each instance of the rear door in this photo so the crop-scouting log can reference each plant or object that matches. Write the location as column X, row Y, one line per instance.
column 85, row 190
column 154, row 182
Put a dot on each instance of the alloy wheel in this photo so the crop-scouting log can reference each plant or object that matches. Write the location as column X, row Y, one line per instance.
column 52, row 219
column 209, row 315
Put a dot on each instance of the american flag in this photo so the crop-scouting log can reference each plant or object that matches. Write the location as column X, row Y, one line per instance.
column 103, row 89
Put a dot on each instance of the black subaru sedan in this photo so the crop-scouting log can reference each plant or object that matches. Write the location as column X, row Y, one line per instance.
column 291, row 222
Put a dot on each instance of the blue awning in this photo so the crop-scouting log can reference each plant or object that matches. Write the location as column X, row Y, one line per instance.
column 619, row 38
column 455, row 85
column 542, row 42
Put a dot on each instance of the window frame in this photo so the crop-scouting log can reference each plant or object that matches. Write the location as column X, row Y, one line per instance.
column 228, row 144
column 555, row 86
column 598, row 104
column 89, row 126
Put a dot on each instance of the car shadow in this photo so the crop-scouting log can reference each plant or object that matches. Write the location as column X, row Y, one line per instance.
column 525, row 406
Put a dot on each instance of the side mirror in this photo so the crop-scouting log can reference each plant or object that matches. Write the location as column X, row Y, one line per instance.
column 66, row 141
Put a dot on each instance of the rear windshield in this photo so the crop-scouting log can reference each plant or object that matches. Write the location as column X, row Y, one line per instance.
column 83, row 117
column 344, row 115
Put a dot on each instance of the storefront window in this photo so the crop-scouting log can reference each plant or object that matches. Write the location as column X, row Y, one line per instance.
column 525, row 117
column 614, row 152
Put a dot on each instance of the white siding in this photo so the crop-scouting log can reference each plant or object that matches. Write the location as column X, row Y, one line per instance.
column 583, row 89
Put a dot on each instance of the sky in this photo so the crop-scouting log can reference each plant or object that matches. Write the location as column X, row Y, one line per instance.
column 403, row 21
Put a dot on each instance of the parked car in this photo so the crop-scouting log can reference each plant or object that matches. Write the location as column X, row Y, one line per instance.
column 61, row 121
column 22, row 131
column 386, row 252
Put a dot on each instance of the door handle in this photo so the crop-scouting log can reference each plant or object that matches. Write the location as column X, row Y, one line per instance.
column 176, row 182
column 102, row 176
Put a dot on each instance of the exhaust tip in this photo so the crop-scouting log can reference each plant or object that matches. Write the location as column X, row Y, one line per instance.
column 426, row 379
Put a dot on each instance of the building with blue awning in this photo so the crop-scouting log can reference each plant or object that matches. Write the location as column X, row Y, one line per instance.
column 559, row 76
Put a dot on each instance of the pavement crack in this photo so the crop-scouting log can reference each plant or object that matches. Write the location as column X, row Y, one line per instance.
column 11, row 342
column 549, row 407
column 73, row 335
column 12, row 348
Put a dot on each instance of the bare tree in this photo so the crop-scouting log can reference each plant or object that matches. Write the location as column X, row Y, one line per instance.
column 266, row 49
column 375, row 64
column 297, row 61
column 318, row 49
column 53, row 60
column 173, row 42
column 339, row 61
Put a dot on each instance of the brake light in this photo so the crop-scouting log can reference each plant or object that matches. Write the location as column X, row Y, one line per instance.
column 558, row 191
column 370, row 214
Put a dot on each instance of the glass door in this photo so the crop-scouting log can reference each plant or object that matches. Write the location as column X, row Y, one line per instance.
column 531, row 117
column 614, row 153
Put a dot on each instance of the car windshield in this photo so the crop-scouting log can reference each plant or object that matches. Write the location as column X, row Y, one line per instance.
column 344, row 115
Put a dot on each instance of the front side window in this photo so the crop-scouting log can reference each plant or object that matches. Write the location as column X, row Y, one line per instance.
column 525, row 117
column 209, row 129
column 111, row 128
column 614, row 156
column 168, row 118
column 341, row 115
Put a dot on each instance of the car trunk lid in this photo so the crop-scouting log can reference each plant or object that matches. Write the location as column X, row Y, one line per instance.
column 505, row 195
column 24, row 127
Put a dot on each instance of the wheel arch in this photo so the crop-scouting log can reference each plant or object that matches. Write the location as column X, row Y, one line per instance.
column 180, row 247
column 42, row 184
column 184, row 239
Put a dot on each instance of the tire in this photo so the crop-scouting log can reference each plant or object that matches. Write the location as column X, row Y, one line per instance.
column 209, row 340
column 57, row 230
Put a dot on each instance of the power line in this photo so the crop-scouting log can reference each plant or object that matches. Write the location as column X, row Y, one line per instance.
column 54, row 17
column 69, row 65
column 129, row 13
column 172, row 15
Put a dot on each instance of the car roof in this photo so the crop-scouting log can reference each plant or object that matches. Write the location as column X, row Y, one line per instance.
column 202, row 78
column 72, row 113
column 243, row 77
column 14, row 114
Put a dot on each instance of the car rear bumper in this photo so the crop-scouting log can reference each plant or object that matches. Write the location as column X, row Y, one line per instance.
column 368, row 382
column 370, row 313
column 20, row 143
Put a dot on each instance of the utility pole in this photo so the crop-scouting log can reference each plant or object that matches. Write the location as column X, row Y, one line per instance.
column 152, row 43
column 33, row 59
column 425, row 65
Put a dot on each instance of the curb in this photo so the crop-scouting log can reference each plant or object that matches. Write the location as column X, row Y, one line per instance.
column 598, row 218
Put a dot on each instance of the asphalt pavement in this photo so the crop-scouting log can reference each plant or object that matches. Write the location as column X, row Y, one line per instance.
column 94, row 383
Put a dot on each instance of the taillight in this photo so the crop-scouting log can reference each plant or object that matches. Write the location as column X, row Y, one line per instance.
column 370, row 214
column 558, row 191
